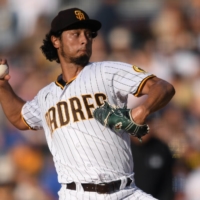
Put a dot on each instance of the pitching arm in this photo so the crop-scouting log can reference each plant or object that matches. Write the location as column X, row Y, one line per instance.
column 11, row 103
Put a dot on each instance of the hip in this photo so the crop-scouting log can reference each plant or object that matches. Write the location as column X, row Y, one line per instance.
column 130, row 192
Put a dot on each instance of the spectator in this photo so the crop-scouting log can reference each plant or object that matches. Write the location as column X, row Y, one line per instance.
column 153, row 165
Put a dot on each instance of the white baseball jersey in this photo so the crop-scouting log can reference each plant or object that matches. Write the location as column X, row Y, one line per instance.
column 83, row 150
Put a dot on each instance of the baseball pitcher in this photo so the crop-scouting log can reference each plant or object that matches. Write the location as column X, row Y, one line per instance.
column 84, row 112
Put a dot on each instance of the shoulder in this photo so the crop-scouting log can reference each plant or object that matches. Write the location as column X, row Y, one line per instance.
column 104, row 63
column 110, row 65
column 113, row 67
column 47, row 88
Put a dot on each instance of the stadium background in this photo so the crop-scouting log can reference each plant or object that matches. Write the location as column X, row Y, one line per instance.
column 160, row 36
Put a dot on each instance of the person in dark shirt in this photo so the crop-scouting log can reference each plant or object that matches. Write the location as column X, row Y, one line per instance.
column 153, row 165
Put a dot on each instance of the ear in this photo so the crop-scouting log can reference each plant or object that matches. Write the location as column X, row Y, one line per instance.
column 55, row 41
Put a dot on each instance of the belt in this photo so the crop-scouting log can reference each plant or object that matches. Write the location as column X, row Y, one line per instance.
column 101, row 188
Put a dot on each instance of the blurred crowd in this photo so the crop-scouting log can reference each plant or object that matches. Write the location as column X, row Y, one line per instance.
column 159, row 36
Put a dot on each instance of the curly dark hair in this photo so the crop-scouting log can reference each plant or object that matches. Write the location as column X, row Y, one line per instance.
column 49, row 51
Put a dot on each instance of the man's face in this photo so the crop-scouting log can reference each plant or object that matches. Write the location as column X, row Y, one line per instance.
column 76, row 46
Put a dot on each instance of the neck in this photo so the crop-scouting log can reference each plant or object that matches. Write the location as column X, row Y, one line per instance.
column 70, row 70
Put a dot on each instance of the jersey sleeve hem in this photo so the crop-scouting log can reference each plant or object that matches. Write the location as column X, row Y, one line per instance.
column 136, row 94
column 29, row 127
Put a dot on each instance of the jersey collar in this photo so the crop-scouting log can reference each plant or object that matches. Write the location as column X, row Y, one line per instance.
column 61, row 83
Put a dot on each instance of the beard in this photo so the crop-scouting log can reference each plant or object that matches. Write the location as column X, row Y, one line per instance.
column 81, row 60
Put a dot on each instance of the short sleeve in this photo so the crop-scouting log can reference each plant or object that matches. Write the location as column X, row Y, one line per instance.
column 123, row 79
column 31, row 114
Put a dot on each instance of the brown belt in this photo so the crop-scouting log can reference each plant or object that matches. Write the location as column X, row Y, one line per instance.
column 102, row 188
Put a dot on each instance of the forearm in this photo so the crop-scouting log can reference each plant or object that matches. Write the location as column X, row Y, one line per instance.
column 11, row 105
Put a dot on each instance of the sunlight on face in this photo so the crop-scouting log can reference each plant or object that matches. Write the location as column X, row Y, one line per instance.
column 76, row 46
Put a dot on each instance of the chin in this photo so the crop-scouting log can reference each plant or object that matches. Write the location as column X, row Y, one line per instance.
column 81, row 60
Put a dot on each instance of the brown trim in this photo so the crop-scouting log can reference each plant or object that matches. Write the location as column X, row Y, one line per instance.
column 58, row 84
column 27, row 124
column 71, row 80
column 61, row 83
column 142, row 84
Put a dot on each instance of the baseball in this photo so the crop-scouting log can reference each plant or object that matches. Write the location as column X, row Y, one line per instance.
column 3, row 70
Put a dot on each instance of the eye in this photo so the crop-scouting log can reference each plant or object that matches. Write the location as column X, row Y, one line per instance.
column 89, row 34
column 76, row 34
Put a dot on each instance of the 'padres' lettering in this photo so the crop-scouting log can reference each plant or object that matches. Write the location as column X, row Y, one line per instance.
column 47, row 120
column 88, row 106
column 76, row 108
column 100, row 98
column 52, row 118
column 63, row 113
column 73, row 111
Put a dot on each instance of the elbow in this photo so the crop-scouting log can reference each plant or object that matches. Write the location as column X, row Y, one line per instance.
column 170, row 90
column 167, row 89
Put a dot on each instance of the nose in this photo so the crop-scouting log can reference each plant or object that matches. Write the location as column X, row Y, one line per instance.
column 84, row 38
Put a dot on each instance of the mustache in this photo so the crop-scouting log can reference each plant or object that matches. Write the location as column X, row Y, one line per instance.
column 84, row 49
